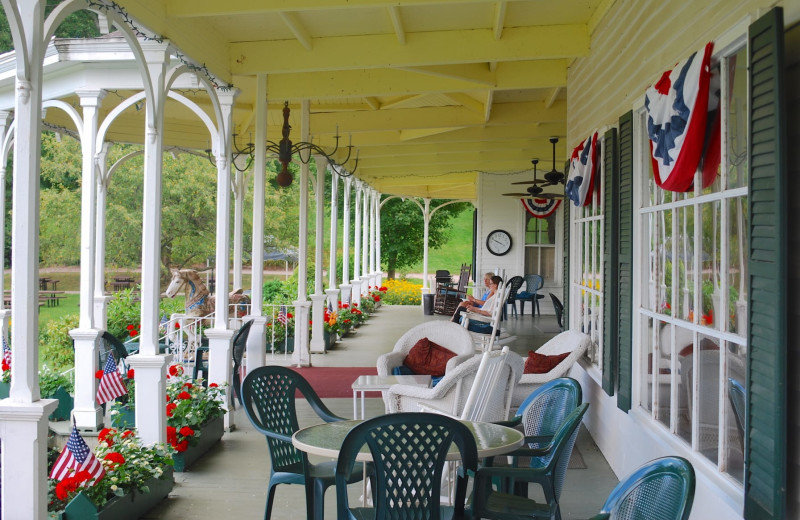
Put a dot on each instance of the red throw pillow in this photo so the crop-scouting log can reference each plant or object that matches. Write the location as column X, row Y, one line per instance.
column 426, row 357
column 541, row 364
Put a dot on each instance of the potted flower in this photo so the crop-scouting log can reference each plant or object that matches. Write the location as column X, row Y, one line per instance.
column 136, row 479
column 280, row 333
column 330, row 328
column 349, row 317
column 123, row 410
column 54, row 385
column 194, row 417
column 5, row 380
column 376, row 295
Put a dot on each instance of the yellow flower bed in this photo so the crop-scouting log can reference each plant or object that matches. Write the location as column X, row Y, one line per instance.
column 402, row 292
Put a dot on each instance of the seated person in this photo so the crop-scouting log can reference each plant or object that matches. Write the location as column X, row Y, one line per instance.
column 485, row 309
column 480, row 301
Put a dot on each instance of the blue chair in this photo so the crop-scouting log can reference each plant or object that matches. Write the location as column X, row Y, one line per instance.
column 409, row 452
column 268, row 395
column 662, row 488
column 533, row 282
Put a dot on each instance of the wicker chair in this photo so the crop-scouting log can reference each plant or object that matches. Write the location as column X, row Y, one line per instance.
column 451, row 336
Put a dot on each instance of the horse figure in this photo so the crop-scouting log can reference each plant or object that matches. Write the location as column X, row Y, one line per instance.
column 199, row 301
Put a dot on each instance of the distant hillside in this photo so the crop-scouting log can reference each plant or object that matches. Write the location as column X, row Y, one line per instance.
column 457, row 251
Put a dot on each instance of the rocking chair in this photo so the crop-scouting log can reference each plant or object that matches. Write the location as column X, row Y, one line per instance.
column 449, row 295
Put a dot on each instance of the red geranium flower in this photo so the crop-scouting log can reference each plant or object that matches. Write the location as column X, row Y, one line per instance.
column 177, row 325
column 186, row 431
column 170, row 408
column 130, row 373
column 115, row 458
column 6, row 367
column 213, row 385
column 169, row 398
column 134, row 333
column 184, row 395
column 181, row 446
column 172, row 435
column 127, row 433
column 187, row 386
column 103, row 435
column 99, row 374
column 289, row 315
column 130, row 327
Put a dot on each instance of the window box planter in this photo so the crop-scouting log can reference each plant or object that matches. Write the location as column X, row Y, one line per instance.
column 127, row 507
column 4, row 388
column 279, row 345
column 210, row 433
column 125, row 418
column 65, row 404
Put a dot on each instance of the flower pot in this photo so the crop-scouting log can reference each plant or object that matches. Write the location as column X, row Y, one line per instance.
column 65, row 404
column 4, row 388
column 127, row 507
column 125, row 418
column 280, row 344
column 210, row 433
column 330, row 339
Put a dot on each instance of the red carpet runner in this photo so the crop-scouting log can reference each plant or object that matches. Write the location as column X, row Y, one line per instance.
column 334, row 381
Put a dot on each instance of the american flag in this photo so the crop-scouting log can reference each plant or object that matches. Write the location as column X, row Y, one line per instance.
column 76, row 456
column 6, row 353
column 111, row 385
column 282, row 315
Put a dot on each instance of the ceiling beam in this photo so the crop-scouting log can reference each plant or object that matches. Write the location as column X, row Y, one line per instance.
column 473, row 72
column 519, row 160
column 392, row 82
column 552, row 97
column 499, row 18
column 538, row 148
column 464, row 100
column 296, row 26
column 397, row 23
column 487, row 106
column 424, row 49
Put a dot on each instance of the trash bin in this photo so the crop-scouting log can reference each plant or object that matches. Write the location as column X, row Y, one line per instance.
column 427, row 304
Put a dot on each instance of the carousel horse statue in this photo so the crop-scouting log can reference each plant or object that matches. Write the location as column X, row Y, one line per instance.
column 199, row 300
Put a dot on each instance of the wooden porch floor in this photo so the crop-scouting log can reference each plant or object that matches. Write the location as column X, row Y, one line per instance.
column 230, row 481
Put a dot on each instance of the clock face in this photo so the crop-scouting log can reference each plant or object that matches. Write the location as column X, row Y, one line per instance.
column 498, row 242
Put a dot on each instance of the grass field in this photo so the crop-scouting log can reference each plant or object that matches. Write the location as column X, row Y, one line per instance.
column 456, row 251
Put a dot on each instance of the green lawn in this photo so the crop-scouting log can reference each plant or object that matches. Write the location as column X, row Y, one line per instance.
column 456, row 251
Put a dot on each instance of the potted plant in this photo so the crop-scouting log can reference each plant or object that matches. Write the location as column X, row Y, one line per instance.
column 376, row 294
column 136, row 478
column 5, row 380
column 330, row 328
column 280, row 333
column 123, row 410
column 54, row 385
column 349, row 317
column 194, row 417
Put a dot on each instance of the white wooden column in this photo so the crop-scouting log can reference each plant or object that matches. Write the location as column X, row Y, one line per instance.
column 365, row 241
column 150, row 366
column 239, row 193
column 346, row 287
column 355, row 296
column 373, row 270
column 333, row 291
column 23, row 416
column 301, row 355
column 318, row 298
column 87, row 413
column 379, row 279
column 100, row 298
column 426, row 216
column 256, row 339
column 5, row 314
column 220, row 336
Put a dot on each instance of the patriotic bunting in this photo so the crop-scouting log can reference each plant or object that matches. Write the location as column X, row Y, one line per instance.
column 111, row 385
column 541, row 208
column 677, row 115
column 582, row 172
column 75, row 457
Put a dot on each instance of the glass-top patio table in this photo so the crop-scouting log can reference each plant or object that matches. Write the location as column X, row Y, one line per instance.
column 326, row 439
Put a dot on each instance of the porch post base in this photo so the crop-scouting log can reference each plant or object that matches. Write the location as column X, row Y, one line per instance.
column 87, row 413
column 317, row 326
column 256, row 342
column 151, row 388
column 347, row 292
column 220, row 366
column 301, row 357
column 355, row 294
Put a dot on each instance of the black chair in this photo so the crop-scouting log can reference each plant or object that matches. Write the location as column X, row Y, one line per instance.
column 110, row 343
column 559, row 307
column 533, row 282
column 268, row 395
column 514, row 283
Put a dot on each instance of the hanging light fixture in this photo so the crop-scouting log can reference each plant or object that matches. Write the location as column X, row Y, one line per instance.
column 285, row 149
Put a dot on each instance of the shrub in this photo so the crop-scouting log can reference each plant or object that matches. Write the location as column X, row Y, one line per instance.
column 50, row 380
column 55, row 343
column 402, row 292
column 123, row 310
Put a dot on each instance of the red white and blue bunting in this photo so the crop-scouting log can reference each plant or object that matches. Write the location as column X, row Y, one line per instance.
column 583, row 167
column 541, row 208
column 677, row 115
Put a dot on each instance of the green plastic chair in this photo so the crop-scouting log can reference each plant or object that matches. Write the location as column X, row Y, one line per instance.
column 408, row 452
column 662, row 488
column 550, row 475
column 268, row 395
column 239, row 347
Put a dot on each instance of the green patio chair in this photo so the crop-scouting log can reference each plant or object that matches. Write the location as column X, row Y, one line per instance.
column 409, row 452
column 110, row 343
column 268, row 395
column 548, row 469
column 662, row 488
column 736, row 395
column 239, row 346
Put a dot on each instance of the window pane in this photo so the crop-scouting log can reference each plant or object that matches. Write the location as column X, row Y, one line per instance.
column 684, row 348
column 737, row 362
column 684, row 303
column 646, row 394
column 708, row 396
column 737, row 272
column 548, row 263
column 711, row 290
column 736, row 126
column 662, row 356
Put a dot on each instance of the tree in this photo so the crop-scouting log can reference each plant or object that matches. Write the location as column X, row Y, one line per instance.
column 82, row 24
column 403, row 231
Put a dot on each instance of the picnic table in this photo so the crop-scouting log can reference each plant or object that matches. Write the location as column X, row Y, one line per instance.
column 48, row 284
column 122, row 283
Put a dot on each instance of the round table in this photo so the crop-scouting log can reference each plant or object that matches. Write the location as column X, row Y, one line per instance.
column 326, row 439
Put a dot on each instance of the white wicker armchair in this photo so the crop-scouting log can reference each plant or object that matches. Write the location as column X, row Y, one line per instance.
column 450, row 394
column 451, row 336
column 572, row 341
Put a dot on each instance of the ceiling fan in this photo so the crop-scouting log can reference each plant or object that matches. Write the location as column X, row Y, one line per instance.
column 551, row 178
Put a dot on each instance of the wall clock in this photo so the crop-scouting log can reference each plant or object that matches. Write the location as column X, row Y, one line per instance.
column 498, row 242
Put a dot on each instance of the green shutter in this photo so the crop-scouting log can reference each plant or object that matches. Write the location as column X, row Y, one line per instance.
column 625, row 262
column 610, row 259
column 565, row 260
column 765, row 424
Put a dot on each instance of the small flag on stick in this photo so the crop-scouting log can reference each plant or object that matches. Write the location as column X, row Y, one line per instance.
column 111, row 385
column 282, row 317
column 6, row 355
column 76, row 456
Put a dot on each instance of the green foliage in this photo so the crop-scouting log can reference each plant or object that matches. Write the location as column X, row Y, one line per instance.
column 123, row 310
column 402, row 241
column 276, row 291
column 55, row 343
column 50, row 380
column 82, row 24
